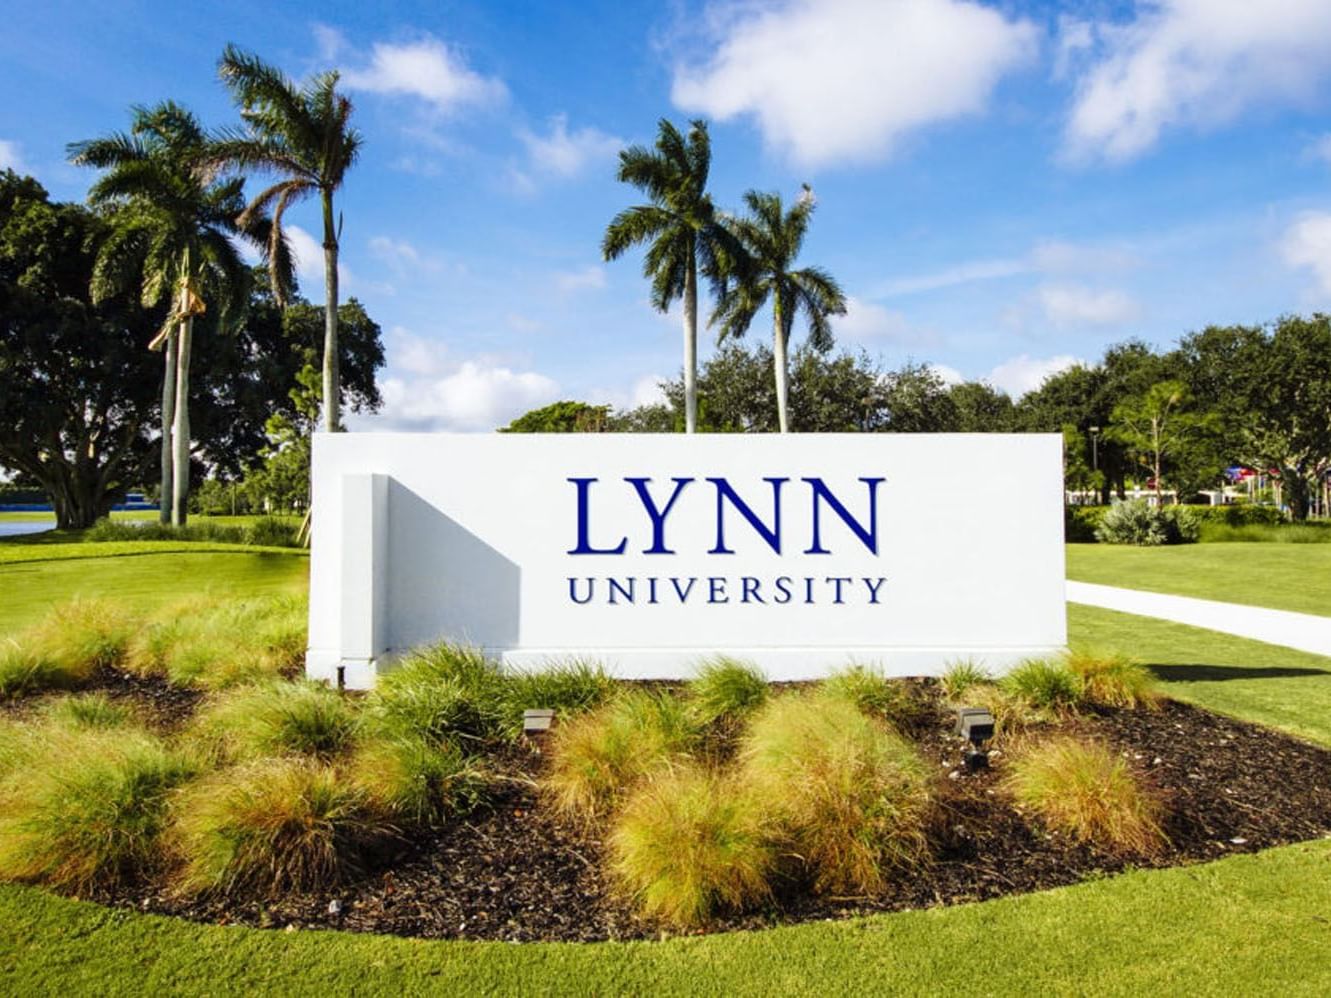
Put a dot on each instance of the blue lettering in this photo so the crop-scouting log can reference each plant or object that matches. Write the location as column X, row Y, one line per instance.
column 837, row 581
column 716, row 590
column 657, row 515
column 783, row 593
column 749, row 590
column 869, row 538
column 573, row 590
column 772, row 535
column 583, row 485
column 683, row 594
column 625, row 591
column 874, row 585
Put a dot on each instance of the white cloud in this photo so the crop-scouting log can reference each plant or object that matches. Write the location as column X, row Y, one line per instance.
column 1195, row 63
column 427, row 69
column 1025, row 373
column 11, row 158
column 1075, row 38
column 564, row 154
column 589, row 278
column 427, row 389
column 1321, row 149
column 1076, row 305
column 308, row 254
column 838, row 80
column 865, row 321
column 948, row 375
column 1307, row 243
column 647, row 391
column 1049, row 256
column 965, row 273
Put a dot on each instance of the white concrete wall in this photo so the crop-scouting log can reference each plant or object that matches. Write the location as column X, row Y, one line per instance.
column 427, row 537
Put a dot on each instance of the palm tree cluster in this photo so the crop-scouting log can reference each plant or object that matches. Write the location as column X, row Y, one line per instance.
column 748, row 261
column 175, row 196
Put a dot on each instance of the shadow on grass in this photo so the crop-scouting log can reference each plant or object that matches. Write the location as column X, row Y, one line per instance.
column 1220, row 673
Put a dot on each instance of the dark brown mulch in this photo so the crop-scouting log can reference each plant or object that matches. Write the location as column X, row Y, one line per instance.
column 516, row 872
column 161, row 705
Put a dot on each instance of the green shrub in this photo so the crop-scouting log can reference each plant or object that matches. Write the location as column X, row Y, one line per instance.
column 66, row 647
column 86, row 807
column 1284, row 533
column 1241, row 514
column 847, row 796
column 276, row 718
column 1085, row 791
column 726, row 689
column 216, row 643
column 1081, row 522
column 91, row 710
column 567, row 688
column 415, row 780
column 440, row 693
column 267, row 531
column 689, row 844
column 1144, row 524
column 273, row 824
column 1044, row 683
column 1113, row 680
column 272, row 532
column 961, row 676
column 597, row 758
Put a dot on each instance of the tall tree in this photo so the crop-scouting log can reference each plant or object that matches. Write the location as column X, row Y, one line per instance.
column 171, row 227
column 303, row 135
column 1156, row 426
column 771, row 237
column 682, row 228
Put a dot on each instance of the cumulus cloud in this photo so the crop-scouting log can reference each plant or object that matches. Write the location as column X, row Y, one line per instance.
column 11, row 158
column 1307, row 243
column 1076, row 305
column 589, row 278
column 1049, row 256
column 948, row 375
column 1025, row 373
column 427, row 389
column 427, row 69
column 846, row 80
column 563, row 153
column 866, row 321
column 1194, row 63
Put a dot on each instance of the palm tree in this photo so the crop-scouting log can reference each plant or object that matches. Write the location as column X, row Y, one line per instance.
column 302, row 135
column 683, row 230
column 772, row 238
column 171, row 224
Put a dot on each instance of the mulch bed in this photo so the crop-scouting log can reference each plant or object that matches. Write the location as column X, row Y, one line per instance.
column 514, row 871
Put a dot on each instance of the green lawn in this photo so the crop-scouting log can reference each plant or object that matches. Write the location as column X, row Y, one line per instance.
column 142, row 574
column 1245, row 925
column 1281, row 576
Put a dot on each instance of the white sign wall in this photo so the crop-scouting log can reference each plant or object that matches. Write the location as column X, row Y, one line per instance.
column 650, row 552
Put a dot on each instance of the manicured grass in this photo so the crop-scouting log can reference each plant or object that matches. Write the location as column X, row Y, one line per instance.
column 1268, row 684
column 35, row 577
column 1281, row 576
column 1246, row 925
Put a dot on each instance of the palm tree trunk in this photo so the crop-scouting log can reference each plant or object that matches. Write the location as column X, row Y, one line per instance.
column 779, row 365
column 331, row 381
column 180, row 430
column 691, row 345
column 168, row 417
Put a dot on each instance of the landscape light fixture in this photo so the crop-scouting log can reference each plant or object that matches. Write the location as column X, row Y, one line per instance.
column 976, row 726
column 537, row 722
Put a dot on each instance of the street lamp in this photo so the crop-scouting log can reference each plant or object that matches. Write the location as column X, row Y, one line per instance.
column 1095, row 449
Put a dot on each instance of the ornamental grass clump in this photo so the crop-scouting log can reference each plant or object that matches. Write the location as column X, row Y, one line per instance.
column 273, row 824
column 567, row 688
column 442, row 693
column 416, row 781
column 65, row 648
column 276, row 718
column 598, row 758
column 89, row 710
column 727, row 690
column 962, row 676
column 872, row 692
column 845, row 795
column 1085, row 791
column 1045, row 684
column 217, row 643
column 689, row 844
column 85, row 808
column 1113, row 680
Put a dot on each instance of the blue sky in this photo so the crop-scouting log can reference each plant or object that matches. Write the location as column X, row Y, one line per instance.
column 1002, row 187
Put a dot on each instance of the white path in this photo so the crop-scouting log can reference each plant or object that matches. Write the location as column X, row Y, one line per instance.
column 1304, row 631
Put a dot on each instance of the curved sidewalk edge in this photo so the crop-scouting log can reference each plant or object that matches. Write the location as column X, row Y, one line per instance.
column 1304, row 631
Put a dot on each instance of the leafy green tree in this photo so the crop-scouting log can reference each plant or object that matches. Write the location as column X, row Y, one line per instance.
column 172, row 225
column 681, row 229
column 1077, row 397
column 917, row 400
column 981, row 408
column 771, row 237
column 77, row 390
column 1156, row 426
column 562, row 417
column 304, row 136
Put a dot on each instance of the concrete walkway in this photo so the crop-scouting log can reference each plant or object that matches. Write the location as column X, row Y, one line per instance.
column 1304, row 631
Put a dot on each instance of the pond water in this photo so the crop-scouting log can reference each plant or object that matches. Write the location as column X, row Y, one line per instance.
column 14, row 528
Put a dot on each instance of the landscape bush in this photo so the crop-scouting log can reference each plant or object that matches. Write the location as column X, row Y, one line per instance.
column 1139, row 522
column 599, row 757
column 216, row 643
column 276, row 718
column 846, row 795
column 268, row 531
column 89, row 710
column 690, row 843
column 726, row 689
column 1087, row 792
column 415, row 780
column 567, row 688
column 1081, row 522
column 1044, row 684
column 86, row 807
column 1113, row 680
column 66, row 648
column 271, row 825
column 1283, row 533
column 962, row 675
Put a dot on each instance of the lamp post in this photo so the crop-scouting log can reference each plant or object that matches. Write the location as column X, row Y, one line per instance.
column 1095, row 448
